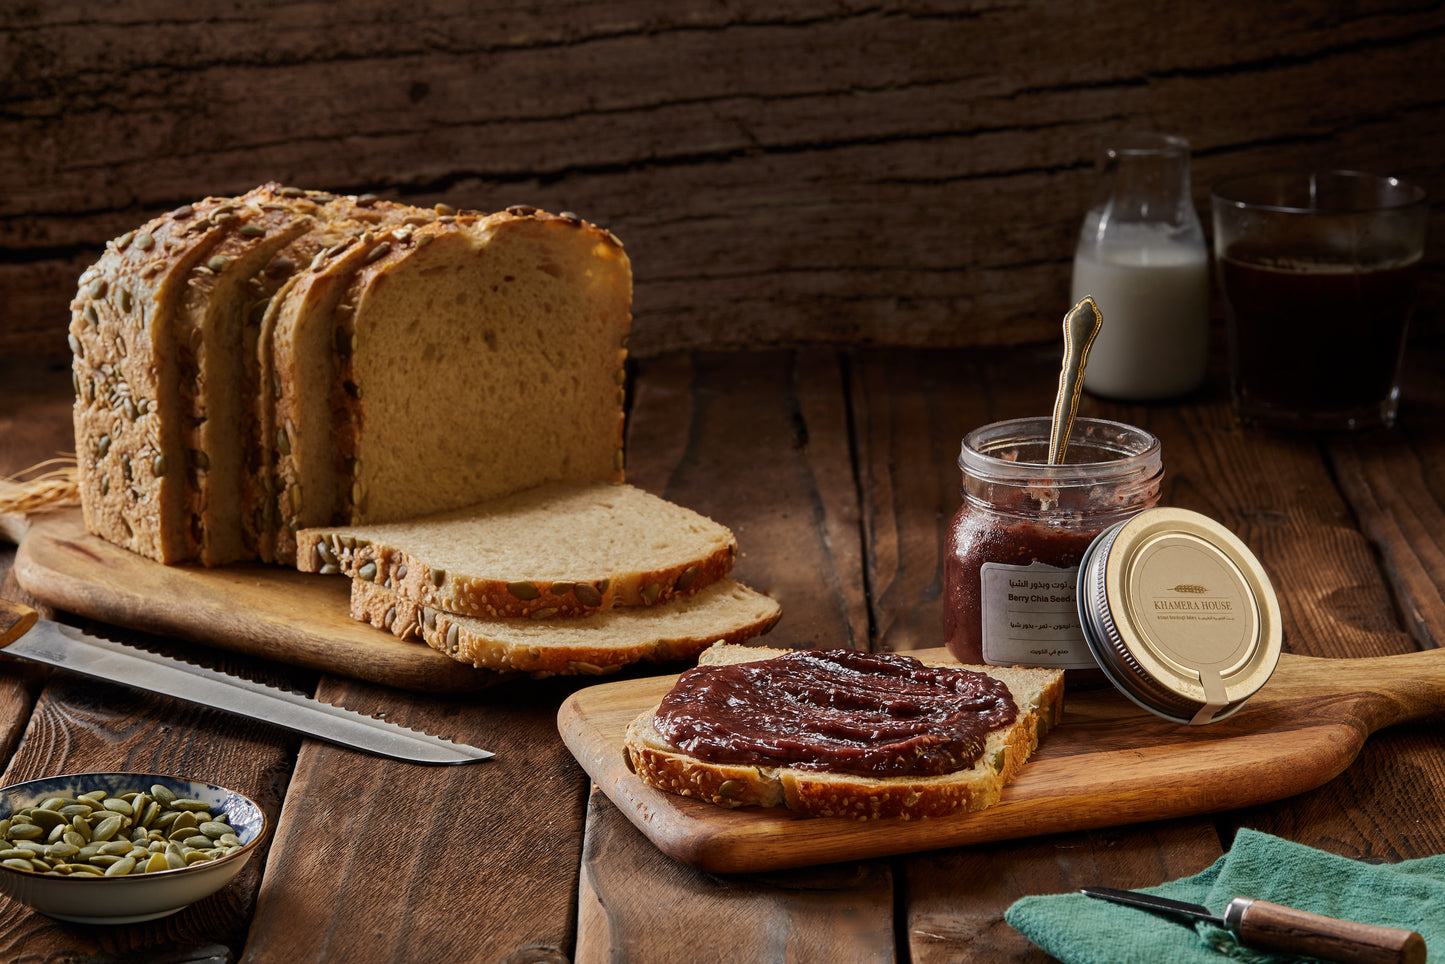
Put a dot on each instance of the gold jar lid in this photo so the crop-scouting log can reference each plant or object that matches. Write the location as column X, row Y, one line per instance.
column 1179, row 614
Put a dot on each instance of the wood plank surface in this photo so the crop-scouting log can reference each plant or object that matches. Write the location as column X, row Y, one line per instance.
column 1383, row 596
column 760, row 442
column 473, row 862
column 810, row 172
column 836, row 470
column 1395, row 485
column 842, row 912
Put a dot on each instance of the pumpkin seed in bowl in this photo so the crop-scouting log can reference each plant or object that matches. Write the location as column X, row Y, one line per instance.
column 161, row 842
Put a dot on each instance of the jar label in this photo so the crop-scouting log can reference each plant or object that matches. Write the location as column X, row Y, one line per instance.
column 1030, row 617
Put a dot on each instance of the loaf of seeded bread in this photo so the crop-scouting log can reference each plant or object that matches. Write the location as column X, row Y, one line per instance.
column 446, row 359
column 586, row 645
column 250, row 368
column 125, row 347
column 483, row 356
column 1038, row 694
column 560, row 549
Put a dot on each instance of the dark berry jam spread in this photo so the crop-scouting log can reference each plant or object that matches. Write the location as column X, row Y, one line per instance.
column 837, row 711
column 977, row 536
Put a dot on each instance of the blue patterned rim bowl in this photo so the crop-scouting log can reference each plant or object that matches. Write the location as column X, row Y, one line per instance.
column 121, row 899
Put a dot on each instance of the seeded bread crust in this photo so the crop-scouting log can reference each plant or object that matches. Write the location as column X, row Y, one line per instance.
column 558, row 295
column 213, row 377
column 125, row 365
column 554, row 550
column 294, row 483
column 590, row 645
column 1038, row 693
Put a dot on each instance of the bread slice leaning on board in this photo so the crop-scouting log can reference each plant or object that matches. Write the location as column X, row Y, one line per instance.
column 1038, row 694
column 215, row 316
column 561, row 549
column 603, row 642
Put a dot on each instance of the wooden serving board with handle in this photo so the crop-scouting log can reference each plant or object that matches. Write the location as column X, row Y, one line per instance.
column 1108, row 763
column 268, row 611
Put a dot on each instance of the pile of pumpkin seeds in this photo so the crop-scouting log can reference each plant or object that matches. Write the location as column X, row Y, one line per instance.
column 100, row 833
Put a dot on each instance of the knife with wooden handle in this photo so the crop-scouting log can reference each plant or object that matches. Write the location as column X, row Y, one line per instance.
column 23, row 633
column 1274, row 927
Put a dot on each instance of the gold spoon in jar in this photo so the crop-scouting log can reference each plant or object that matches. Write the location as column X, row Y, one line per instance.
column 1081, row 325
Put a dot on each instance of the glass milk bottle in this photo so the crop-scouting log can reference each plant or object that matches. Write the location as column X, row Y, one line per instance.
column 1141, row 256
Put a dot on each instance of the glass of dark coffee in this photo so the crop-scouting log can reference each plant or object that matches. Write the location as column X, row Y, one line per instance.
column 1318, row 272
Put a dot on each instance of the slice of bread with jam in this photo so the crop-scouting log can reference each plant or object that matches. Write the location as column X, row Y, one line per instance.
column 1037, row 694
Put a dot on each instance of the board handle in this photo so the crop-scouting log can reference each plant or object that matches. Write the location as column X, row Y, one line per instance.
column 15, row 620
column 1273, row 927
column 1398, row 689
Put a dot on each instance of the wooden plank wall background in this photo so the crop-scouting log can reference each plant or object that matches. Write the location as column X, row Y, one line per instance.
column 806, row 171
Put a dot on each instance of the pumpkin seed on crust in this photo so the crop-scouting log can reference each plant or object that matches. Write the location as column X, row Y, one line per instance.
column 523, row 590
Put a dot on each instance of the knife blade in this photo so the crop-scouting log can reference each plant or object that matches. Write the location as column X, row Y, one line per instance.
column 22, row 633
column 1274, row 927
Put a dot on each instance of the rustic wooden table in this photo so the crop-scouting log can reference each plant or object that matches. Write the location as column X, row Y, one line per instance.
column 836, row 470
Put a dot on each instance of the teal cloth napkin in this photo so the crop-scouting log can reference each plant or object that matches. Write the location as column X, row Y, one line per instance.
column 1084, row 930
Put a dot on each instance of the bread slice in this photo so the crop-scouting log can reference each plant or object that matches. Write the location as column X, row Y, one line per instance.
column 1038, row 694
column 296, row 348
column 590, row 645
column 564, row 549
column 484, row 356
column 131, row 460
column 211, row 331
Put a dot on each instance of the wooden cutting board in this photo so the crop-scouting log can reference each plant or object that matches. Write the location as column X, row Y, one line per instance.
column 267, row 611
column 1109, row 763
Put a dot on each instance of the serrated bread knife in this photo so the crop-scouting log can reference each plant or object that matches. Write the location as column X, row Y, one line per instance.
column 23, row 633
column 1273, row 927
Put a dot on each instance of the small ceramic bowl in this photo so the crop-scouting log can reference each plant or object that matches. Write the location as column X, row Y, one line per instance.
column 134, row 897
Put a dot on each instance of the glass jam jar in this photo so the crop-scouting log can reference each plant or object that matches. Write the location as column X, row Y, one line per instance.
column 1014, row 546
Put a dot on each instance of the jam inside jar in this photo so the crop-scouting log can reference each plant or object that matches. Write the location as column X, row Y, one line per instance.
column 1013, row 548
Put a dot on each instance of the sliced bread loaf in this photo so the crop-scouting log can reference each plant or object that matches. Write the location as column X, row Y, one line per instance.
column 600, row 643
column 483, row 356
column 1037, row 694
column 564, row 549
column 467, row 359
column 131, row 460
